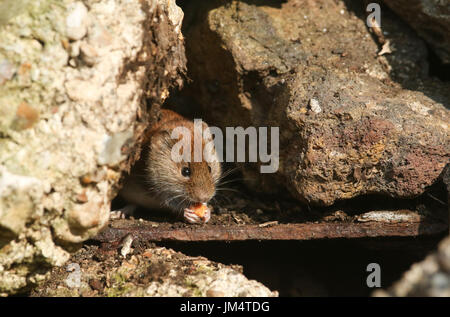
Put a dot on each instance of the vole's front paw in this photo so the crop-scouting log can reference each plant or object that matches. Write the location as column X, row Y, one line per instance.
column 197, row 214
column 123, row 213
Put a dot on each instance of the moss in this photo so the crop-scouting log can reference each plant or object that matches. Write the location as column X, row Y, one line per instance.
column 11, row 8
column 118, row 278
column 119, row 286
column 204, row 269
column 63, row 292
column 190, row 284
column 120, row 290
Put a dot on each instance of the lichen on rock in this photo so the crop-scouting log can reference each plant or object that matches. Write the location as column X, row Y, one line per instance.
column 70, row 109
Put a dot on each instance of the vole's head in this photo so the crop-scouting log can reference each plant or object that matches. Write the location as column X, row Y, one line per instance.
column 183, row 183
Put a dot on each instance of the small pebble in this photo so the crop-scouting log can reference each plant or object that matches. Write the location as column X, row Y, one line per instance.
column 126, row 246
column 214, row 293
column 314, row 105
column 88, row 54
column 96, row 285
column 7, row 71
column 76, row 21
column 74, row 49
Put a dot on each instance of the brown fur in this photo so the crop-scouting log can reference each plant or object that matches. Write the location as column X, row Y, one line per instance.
column 164, row 175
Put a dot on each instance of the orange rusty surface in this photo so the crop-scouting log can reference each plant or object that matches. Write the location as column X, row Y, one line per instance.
column 293, row 231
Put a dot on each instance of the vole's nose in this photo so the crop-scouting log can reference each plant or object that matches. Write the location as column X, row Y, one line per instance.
column 203, row 196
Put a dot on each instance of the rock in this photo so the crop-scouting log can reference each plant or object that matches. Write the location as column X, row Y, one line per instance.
column 15, row 210
column 314, row 105
column 163, row 273
column 443, row 256
column 80, row 90
column 351, row 122
column 111, row 152
column 11, row 8
column 76, row 21
column 66, row 130
column 88, row 54
column 431, row 20
column 7, row 71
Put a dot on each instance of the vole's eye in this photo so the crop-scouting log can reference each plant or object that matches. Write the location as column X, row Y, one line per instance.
column 209, row 168
column 186, row 171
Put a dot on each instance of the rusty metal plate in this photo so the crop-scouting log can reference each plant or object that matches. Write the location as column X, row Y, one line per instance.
column 363, row 227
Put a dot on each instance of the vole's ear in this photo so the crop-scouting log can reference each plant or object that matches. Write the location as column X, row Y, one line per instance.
column 162, row 140
column 207, row 132
column 165, row 134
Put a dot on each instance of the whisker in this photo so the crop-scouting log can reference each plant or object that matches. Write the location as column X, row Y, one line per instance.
column 230, row 181
column 228, row 172
column 227, row 189
column 221, row 195
column 167, row 201
column 180, row 209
